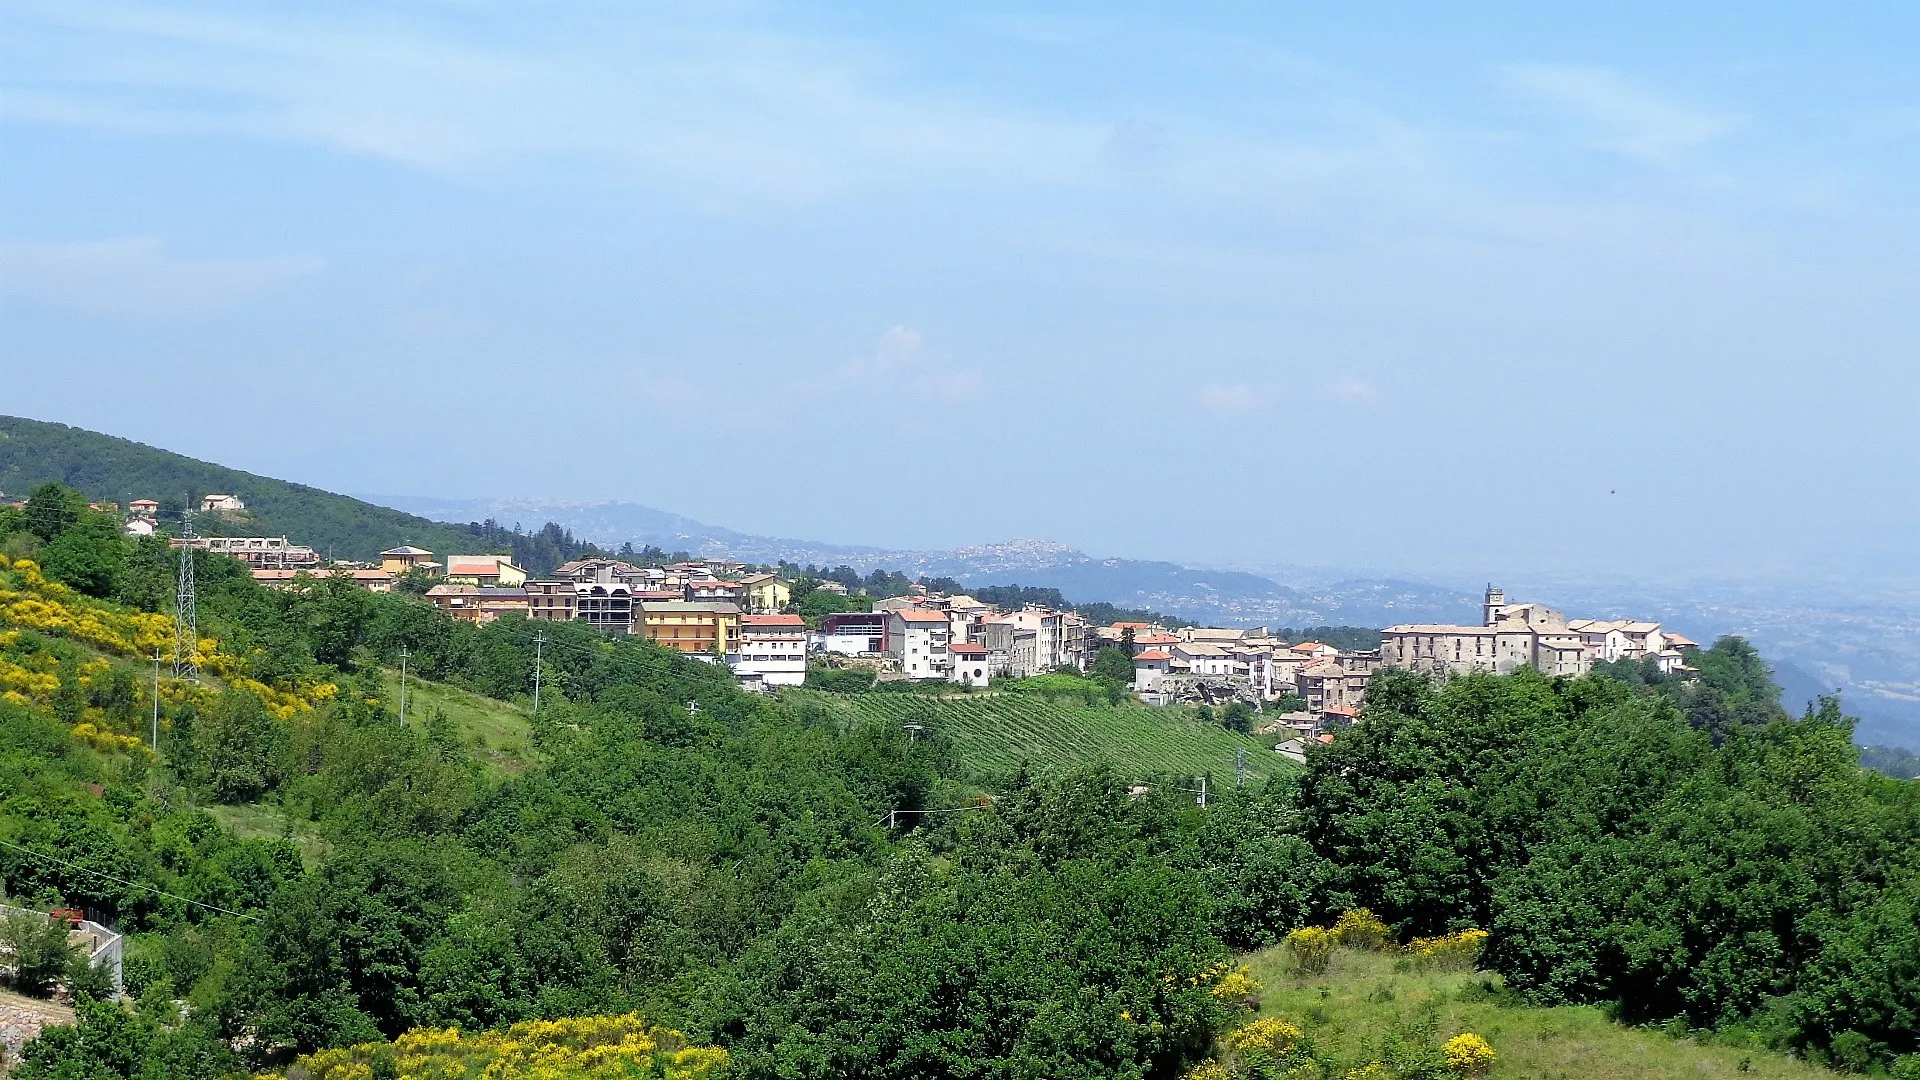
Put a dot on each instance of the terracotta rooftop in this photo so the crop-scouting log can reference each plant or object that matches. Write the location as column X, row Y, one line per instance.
column 1153, row 654
column 772, row 620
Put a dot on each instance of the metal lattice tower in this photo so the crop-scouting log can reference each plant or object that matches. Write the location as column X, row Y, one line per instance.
column 186, row 619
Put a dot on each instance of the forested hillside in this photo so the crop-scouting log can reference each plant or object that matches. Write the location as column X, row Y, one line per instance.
column 104, row 467
column 676, row 878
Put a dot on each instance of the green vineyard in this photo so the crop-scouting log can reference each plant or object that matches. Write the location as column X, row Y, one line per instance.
column 994, row 734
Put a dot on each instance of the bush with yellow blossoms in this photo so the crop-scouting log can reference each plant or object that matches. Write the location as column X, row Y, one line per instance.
column 579, row 1048
column 1236, row 987
column 1468, row 1055
column 1269, row 1037
column 1449, row 952
column 29, row 603
column 1311, row 948
column 1362, row 929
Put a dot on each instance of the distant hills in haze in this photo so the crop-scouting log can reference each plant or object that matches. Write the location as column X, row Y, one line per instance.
column 1223, row 597
column 1819, row 639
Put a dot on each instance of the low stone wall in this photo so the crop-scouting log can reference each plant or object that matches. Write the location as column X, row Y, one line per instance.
column 21, row 1019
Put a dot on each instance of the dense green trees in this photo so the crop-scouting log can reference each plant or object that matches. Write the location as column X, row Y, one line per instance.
column 723, row 862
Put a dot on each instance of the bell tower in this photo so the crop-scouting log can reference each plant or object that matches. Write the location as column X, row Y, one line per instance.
column 1495, row 606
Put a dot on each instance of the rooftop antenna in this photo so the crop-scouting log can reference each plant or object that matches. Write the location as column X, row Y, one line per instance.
column 186, row 619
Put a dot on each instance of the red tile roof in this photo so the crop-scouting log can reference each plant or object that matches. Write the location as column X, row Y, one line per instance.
column 772, row 620
column 920, row 615
column 1153, row 654
column 967, row 650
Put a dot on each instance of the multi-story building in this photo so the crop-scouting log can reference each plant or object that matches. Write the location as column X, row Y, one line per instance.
column 854, row 633
column 370, row 580
column 1013, row 649
column 610, row 572
column 476, row 604
column 766, row 594
column 697, row 629
column 717, row 591
column 1150, row 669
column 221, row 504
column 1515, row 636
column 552, row 601
column 918, row 638
column 773, row 649
column 1331, row 687
column 489, row 570
column 257, row 551
column 399, row 561
column 608, row 608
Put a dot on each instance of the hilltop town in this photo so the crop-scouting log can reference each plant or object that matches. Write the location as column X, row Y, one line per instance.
column 728, row 612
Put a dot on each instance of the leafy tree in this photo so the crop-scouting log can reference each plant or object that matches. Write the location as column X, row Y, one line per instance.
column 1237, row 716
column 243, row 747
column 1112, row 664
column 88, row 555
column 36, row 949
column 52, row 509
column 106, row 1042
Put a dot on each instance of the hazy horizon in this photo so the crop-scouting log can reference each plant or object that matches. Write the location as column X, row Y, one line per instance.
column 1624, row 292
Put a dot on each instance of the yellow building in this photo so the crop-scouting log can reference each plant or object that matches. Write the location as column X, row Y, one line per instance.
column 397, row 561
column 691, row 627
column 767, row 594
column 486, row 570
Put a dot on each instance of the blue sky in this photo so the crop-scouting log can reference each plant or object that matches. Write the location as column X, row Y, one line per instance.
column 1624, row 290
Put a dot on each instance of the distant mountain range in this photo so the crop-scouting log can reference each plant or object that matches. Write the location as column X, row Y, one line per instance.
column 1220, row 597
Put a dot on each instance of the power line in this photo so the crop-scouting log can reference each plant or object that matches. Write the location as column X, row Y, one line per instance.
column 128, row 884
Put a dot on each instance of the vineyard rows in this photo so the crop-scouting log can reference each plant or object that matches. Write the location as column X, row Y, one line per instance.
column 994, row 735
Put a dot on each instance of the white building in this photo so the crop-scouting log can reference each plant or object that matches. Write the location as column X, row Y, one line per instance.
column 969, row 665
column 772, row 648
column 1205, row 658
column 1150, row 667
column 220, row 504
column 918, row 638
column 853, row 633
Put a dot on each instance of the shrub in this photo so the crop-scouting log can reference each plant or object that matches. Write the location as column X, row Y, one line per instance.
column 1362, row 929
column 1235, row 987
column 1311, row 948
column 1468, row 1055
column 1448, row 952
column 1269, row 1037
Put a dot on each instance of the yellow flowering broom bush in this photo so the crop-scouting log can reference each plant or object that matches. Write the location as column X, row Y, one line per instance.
column 30, row 602
column 1311, row 948
column 1468, row 1055
column 1269, row 1037
column 1449, row 952
column 579, row 1048
column 1236, row 987
column 1362, row 929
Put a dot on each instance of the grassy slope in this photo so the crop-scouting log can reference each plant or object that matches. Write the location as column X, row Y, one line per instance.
column 105, row 467
column 1361, row 996
column 497, row 731
column 993, row 734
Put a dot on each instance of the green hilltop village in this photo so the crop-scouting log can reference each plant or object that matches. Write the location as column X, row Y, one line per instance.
column 296, row 786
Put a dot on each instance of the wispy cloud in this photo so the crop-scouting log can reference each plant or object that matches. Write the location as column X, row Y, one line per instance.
column 902, row 366
column 1234, row 399
column 136, row 277
column 1351, row 390
column 699, row 98
column 1622, row 115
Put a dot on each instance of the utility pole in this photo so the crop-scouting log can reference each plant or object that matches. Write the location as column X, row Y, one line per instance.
column 539, row 639
column 186, row 620
column 1203, row 790
column 156, row 703
column 1240, row 767
column 403, row 685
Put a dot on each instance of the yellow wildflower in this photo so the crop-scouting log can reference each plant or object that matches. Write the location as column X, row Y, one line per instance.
column 1468, row 1055
column 1268, row 1035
